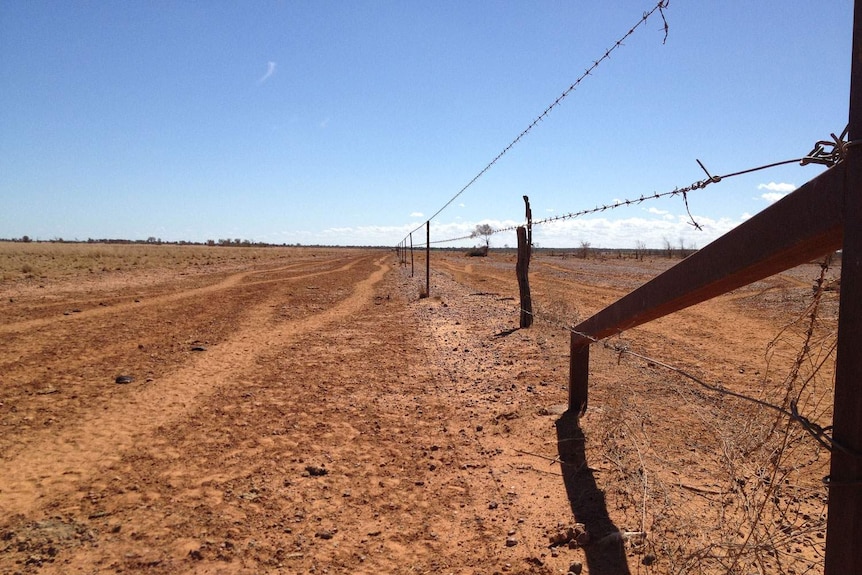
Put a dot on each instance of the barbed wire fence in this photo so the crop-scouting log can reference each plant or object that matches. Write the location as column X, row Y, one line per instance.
column 768, row 515
column 659, row 8
column 769, row 451
column 769, row 446
column 616, row 204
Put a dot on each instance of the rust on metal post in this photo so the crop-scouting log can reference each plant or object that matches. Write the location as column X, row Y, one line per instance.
column 844, row 517
column 798, row 228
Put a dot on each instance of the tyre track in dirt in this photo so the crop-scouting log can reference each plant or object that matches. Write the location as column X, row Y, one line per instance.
column 231, row 281
column 51, row 464
column 224, row 488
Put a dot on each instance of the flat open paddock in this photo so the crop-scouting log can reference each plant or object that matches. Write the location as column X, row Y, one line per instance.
column 302, row 410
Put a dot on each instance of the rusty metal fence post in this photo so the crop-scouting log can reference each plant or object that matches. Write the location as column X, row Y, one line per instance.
column 844, row 522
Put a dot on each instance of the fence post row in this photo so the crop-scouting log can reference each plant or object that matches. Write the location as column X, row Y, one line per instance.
column 823, row 215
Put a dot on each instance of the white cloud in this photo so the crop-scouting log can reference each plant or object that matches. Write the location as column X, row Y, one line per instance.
column 657, row 211
column 777, row 187
column 416, row 214
column 270, row 70
column 772, row 197
column 775, row 191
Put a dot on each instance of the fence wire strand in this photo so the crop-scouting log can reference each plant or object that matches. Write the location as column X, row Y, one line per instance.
column 659, row 7
column 684, row 191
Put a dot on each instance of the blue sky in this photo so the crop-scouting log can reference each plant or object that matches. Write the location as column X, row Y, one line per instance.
column 353, row 122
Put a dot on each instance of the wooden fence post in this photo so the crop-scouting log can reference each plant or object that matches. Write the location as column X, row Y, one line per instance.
column 522, row 268
column 428, row 258
column 411, row 254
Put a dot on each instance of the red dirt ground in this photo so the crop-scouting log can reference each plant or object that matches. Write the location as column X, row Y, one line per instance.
column 308, row 412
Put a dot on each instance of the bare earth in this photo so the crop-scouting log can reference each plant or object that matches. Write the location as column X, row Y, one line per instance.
column 305, row 411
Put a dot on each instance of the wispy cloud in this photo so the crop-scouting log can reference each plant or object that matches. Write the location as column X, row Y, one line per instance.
column 776, row 191
column 416, row 214
column 777, row 187
column 270, row 70
column 658, row 212
column 772, row 197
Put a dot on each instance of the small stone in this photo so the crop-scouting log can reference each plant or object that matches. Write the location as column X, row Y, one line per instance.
column 124, row 379
column 648, row 560
column 511, row 541
column 576, row 568
column 315, row 471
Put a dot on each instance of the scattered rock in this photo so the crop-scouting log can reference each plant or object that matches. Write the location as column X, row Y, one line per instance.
column 198, row 348
column 576, row 568
column 315, row 471
column 511, row 541
column 648, row 560
column 324, row 534
column 124, row 379
column 573, row 536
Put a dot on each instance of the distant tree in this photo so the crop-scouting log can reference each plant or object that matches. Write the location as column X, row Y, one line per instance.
column 485, row 232
column 668, row 248
column 584, row 250
column 25, row 239
column 640, row 249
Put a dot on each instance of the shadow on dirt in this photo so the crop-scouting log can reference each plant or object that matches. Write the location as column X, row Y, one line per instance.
column 605, row 555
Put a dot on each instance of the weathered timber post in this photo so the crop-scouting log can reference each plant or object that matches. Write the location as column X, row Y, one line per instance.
column 844, row 517
column 411, row 254
column 522, row 268
column 428, row 258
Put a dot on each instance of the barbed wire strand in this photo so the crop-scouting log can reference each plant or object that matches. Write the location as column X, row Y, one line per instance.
column 659, row 7
column 698, row 185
